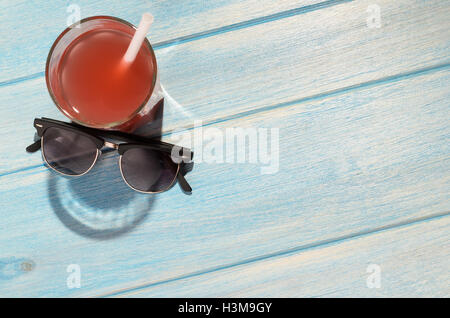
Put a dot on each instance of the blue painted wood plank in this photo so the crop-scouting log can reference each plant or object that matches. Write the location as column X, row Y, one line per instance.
column 30, row 27
column 349, row 163
column 206, row 79
column 412, row 261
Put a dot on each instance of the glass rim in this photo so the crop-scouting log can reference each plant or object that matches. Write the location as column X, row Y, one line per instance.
column 73, row 26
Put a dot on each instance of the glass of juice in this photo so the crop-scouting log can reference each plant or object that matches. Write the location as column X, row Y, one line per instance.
column 89, row 82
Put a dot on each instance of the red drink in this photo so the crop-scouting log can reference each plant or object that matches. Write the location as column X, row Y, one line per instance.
column 92, row 85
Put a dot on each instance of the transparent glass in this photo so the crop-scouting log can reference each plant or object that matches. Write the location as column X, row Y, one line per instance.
column 142, row 114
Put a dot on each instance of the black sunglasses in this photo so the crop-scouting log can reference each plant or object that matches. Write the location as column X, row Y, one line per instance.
column 147, row 165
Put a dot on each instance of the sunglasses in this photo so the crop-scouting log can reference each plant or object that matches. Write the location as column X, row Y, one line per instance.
column 146, row 165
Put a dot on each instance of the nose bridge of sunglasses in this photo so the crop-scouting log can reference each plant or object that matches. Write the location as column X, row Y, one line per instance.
column 111, row 145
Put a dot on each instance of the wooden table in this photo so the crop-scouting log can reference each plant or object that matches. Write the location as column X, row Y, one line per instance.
column 358, row 106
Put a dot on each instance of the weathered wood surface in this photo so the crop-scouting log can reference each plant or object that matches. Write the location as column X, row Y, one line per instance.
column 263, row 66
column 343, row 169
column 407, row 268
column 364, row 156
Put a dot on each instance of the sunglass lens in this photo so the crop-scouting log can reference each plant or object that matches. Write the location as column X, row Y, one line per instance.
column 68, row 152
column 148, row 170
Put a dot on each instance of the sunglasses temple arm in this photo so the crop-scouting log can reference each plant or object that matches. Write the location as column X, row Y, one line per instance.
column 183, row 183
column 34, row 146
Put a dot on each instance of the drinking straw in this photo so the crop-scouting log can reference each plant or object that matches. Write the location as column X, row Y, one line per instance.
column 138, row 38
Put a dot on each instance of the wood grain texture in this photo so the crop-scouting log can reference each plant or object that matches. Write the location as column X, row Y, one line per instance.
column 414, row 261
column 30, row 26
column 363, row 168
column 263, row 66
column 349, row 163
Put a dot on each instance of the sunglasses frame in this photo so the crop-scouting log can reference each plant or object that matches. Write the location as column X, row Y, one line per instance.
column 97, row 136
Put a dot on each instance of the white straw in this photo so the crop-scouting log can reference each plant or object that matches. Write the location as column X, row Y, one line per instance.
column 138, row 37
